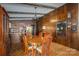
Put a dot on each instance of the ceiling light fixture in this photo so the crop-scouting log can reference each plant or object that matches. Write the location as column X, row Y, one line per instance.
column 52, row 21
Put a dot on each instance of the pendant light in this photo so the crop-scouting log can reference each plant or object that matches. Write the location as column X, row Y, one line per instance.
column 35, row 20
column 35, row 13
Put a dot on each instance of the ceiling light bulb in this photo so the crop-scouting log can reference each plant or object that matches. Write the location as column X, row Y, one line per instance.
column 44, row 27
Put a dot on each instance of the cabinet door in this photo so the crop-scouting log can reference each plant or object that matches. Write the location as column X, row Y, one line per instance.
column 61, row 32
column 61, row 13
column 4, row 28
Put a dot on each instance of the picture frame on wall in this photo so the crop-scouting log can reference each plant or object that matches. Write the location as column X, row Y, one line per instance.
column 74, row 27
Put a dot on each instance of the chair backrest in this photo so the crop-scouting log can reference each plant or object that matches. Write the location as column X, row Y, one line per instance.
column 46, row 42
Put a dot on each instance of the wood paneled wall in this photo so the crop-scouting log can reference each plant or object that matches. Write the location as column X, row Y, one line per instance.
column 3, row 35
column 60, row 14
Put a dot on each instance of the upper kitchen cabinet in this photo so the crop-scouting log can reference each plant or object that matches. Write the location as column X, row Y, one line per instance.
column 62, row 13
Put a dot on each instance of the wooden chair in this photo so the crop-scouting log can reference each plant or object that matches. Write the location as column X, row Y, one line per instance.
column 26, row 39
column 46, row 42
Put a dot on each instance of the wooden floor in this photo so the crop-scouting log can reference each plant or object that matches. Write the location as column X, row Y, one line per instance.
column 56, row 50
column 61, row 50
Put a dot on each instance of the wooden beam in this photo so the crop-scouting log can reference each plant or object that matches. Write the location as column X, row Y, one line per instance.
column 14, row 12
column 40, row 5
column 23, row 17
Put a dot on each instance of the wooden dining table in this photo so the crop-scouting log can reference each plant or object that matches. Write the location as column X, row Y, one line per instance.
column 33, row 43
